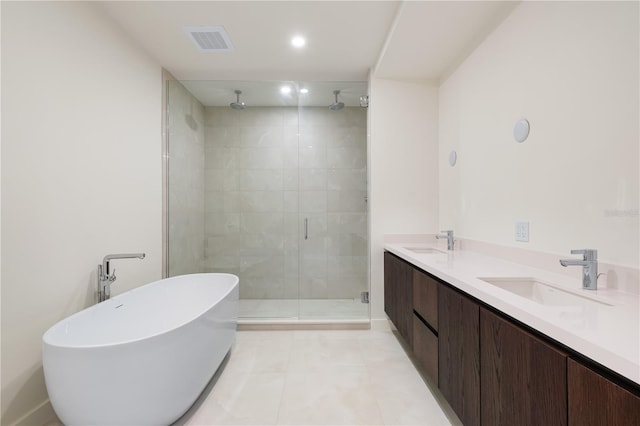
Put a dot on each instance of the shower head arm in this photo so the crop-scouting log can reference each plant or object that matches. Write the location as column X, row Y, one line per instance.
column 336, row 105
column 237, row 104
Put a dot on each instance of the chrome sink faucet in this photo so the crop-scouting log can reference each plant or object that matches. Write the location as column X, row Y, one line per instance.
column 449, row 236
column 589, row 265
column 106, row 276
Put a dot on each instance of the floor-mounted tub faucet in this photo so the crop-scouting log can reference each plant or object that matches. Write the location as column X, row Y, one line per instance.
column 106, row 276
column 589, row 265
column 449, row 236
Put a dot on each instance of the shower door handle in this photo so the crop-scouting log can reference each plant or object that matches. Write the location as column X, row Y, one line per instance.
column 306, row 228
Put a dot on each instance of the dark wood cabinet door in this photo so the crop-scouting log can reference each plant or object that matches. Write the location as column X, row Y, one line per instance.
column 524, row 380
column 458, row 353
column 389, row 288
column 595, row 400
column 398, row 294
column 425, row 348
column 425, row 297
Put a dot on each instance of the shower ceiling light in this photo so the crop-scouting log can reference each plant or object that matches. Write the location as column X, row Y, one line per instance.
column 298, row 41
column 285, row 90
column 304, row 91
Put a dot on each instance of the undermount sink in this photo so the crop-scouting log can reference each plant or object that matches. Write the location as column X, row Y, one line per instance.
column 544, row 293
column 425, row 250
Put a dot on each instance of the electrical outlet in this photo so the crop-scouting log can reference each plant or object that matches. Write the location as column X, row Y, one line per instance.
column 522, row 231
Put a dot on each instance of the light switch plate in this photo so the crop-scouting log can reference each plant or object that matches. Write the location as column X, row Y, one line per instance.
column 522, row 231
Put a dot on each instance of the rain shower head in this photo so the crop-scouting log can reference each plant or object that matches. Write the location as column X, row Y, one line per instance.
column 336, row 105
column 237, row 104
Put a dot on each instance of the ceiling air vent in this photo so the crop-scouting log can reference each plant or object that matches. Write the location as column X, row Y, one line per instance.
column 209, row 39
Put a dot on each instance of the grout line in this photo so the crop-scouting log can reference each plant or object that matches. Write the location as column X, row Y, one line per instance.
column 284, row 386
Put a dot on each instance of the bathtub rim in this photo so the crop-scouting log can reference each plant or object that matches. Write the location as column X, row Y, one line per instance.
column 46, row 339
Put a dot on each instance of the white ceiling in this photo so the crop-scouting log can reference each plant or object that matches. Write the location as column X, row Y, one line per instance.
column 412, row 40
column 431, row 38
column 344, row 38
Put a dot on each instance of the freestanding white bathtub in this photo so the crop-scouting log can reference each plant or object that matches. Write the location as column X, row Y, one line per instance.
column 143, row 357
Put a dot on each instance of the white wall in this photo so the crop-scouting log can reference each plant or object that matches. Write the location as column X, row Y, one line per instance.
column 570, row 68
column 81, row 175
column 403, row 180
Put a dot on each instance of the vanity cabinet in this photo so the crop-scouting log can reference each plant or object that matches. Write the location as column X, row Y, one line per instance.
column 596, row 400
column 523, row 379
column 398, row 295
column 493, row 370
column 459, row 353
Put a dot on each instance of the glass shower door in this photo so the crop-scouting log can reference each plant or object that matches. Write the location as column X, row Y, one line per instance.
column 333, row 213
column 263, row 176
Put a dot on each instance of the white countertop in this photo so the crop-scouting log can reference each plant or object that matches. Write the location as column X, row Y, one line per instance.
column 609, row 335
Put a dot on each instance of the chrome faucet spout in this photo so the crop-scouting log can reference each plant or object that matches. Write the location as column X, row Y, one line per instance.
column 572, row 262
column 448, row 234
column 106, row 276
column 589, row 263
column 109, row 257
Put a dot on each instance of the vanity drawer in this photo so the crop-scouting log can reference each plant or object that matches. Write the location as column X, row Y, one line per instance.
column 425, row 348
column 425, row 297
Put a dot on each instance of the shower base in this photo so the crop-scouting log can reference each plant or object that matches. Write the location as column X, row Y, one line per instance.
column 303, row 311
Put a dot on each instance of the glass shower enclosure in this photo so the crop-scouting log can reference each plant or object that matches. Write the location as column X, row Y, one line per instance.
column 270, row 184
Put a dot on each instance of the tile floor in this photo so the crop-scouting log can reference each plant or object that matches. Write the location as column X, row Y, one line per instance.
column 337, row 377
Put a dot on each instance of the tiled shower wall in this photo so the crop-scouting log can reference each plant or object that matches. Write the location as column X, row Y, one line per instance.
column 266, row 171
column 186, row 181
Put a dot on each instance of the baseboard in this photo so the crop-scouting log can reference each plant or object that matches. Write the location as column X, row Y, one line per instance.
column 264, row 325
column 42, row 415
column 381, row 324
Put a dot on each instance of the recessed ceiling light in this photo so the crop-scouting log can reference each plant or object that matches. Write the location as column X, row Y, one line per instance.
column 304, row 91
column 298, row 41
column 285, row 90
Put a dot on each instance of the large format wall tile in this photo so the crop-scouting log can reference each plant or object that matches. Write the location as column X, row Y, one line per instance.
column 313, row 179
column 347, row 179
column 346, row 201
column 261, row 180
